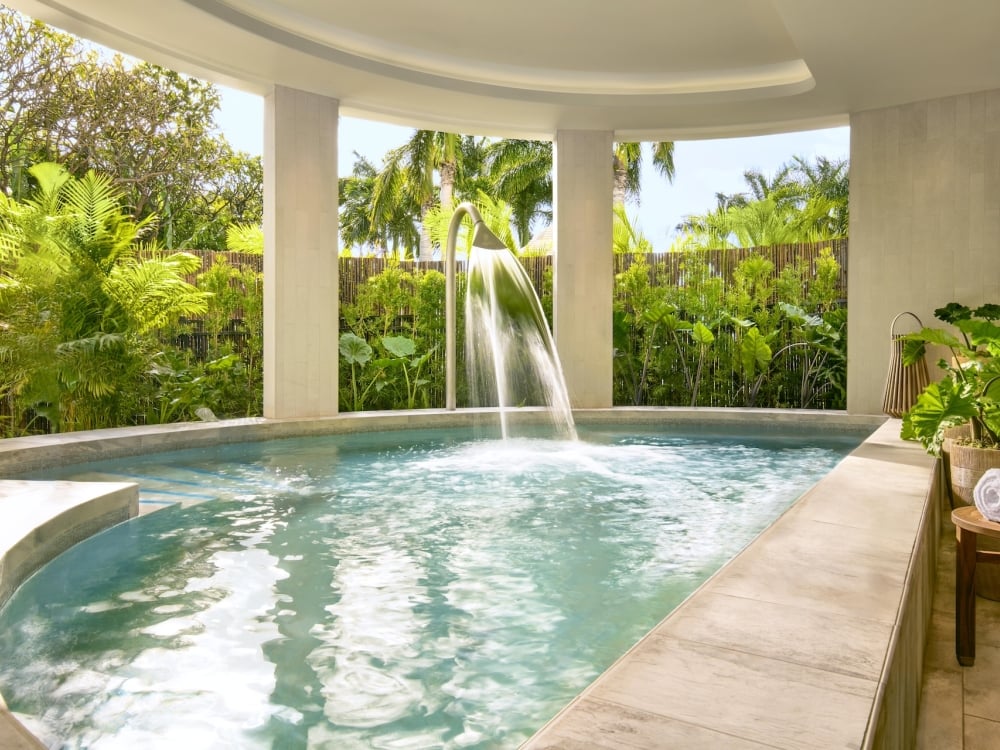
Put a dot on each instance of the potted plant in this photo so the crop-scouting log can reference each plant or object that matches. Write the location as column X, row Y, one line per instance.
column 969, row 393
column 958, row 416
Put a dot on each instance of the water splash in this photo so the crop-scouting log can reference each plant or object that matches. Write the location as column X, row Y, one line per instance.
column 511, row 358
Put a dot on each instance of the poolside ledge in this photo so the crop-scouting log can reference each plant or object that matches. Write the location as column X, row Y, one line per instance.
column 812, row 637
column 40, row 521
column 43, row 519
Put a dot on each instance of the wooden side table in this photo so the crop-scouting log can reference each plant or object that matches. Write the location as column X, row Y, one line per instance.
column 969, row 525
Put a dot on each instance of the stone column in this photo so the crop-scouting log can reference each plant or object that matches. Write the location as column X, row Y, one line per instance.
column 301, row 305
column 583, row 274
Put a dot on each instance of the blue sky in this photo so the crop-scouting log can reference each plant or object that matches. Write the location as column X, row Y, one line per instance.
column 703, row 167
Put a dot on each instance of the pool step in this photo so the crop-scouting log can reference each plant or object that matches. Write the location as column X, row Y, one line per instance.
column 185, row 486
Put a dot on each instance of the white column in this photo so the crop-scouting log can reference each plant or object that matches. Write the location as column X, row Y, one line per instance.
column 583, row 275
column 301, row 304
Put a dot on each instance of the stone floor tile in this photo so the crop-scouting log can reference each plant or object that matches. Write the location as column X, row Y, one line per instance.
column 981, row 734
column 940, row 655
column 939, row 723
column 982, row 685
column 787, row 580
column 832, row 709
column 942, row 625
column 838, row 643
column 987, row 623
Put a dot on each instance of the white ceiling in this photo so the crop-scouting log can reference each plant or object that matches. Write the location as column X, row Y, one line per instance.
column 645, row 69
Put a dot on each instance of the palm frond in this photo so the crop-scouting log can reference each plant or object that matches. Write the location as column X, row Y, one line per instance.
column 245, row 238
column 152, row 293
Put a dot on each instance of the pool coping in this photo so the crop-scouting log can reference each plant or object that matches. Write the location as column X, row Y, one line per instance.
column 832, row 677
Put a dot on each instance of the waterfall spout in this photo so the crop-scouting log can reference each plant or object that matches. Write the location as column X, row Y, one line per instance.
column 511, row 358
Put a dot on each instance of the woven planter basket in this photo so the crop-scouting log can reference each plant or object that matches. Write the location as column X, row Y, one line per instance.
column 964, row 465
column 967, row 466
column 904, row 382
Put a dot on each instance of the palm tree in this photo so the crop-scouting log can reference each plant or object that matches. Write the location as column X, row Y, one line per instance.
column 395, row 232
column 408, row 175
column 628, row 167
column 625, row 236
column 713, row 229
column 828, row 185
column 800, row 203
column 520, row 174
column 496, row 214
column 781, row 187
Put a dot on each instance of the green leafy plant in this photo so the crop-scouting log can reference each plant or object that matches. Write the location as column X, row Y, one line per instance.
column 356, row 352
column 245, row 238
column 91, row 291
column 402, row 351
column 185, row 387
column 640, row 310
column 755, row 361
column 401, row 365
column 969, row 392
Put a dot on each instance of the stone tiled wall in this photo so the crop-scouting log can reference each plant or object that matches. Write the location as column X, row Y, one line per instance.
column 925, row 223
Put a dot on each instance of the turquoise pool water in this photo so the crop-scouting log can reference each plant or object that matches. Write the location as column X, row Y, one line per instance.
column 392, row 590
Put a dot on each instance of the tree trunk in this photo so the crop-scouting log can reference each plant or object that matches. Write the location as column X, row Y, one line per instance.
column 447, row 173
column 621, row 181
column 426, row 252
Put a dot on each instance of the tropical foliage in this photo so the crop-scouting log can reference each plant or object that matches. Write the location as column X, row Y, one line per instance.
column 103, row 322
column 520, row 174
column 98, row 327
column 628, row 168
column 408, row 172
column 392, row 351
column 63, row 101
column 803, row 202
column 86, row 290
column 760, row 339
column 969, row 393
column 386, row 210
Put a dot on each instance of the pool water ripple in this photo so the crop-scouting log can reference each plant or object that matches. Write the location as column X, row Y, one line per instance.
column 445, row 592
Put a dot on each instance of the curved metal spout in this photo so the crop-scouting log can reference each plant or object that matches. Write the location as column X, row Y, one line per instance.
column 484, row 239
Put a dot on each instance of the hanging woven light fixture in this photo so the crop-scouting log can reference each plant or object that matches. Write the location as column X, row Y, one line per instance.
column 904, row 382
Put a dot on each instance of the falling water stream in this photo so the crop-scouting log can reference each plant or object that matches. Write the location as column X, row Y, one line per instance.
column 510, row 355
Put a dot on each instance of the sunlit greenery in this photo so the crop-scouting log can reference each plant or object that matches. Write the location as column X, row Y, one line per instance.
column 150, row 130
column 803, row 202
column 86, row 290
column 105, row 320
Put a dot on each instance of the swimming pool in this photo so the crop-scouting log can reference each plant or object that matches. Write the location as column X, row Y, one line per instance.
column 386, row 590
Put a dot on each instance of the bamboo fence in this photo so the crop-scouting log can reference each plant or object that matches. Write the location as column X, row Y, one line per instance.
column 664, row 267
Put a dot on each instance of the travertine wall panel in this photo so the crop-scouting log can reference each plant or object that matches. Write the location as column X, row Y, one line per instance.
column 925, row 223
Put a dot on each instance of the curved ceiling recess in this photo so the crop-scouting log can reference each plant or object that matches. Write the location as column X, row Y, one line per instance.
column 643, row 69
column 555, row 54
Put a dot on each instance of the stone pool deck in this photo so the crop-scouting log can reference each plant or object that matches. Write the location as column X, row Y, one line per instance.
column 812, row 637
